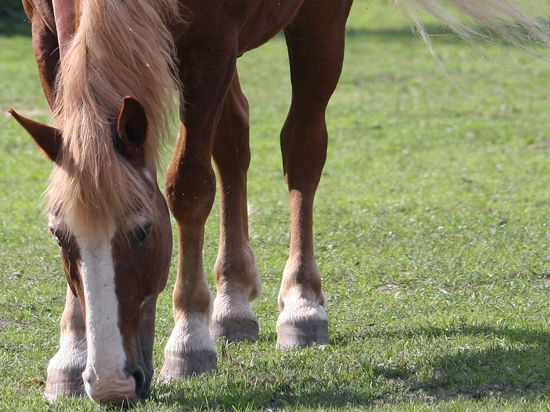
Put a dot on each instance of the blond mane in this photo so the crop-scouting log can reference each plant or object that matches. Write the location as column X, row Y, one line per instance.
column 119, row 49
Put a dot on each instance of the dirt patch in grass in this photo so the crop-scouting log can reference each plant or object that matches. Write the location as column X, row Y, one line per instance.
column 4, row 323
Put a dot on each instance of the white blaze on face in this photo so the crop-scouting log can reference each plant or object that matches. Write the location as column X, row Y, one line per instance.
column 106, row 357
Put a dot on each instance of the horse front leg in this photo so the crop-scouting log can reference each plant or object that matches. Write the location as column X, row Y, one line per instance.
column 315, row 41
column 66, row 367
column 190, row 191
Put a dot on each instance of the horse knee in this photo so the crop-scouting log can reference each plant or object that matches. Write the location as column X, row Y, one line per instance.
column 190, row 191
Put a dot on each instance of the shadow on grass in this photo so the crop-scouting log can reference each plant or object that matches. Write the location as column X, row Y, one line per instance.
column 477, row 373
column 465, row 373
column 474, row 372
column 234, row 397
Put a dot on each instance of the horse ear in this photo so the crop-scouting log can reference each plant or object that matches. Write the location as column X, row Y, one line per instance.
column 132, row 131
column 47, row 138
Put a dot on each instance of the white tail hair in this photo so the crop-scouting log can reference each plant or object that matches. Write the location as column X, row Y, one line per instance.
column 516, row 21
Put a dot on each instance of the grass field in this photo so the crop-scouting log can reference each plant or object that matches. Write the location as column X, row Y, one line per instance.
column 431, row 235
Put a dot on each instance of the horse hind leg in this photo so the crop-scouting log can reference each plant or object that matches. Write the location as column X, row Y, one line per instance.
column 66, row 367
column 236, row 271
column 315, row 41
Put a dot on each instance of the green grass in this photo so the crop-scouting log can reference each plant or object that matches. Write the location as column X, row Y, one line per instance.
column 431, row 234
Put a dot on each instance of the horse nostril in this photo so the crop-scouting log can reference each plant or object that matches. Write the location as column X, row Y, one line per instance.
column 139, row 377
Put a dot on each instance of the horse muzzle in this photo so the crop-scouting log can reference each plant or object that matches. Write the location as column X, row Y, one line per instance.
column 115, row 387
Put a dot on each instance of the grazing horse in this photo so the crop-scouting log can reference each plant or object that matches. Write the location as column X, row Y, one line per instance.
column 109, row 70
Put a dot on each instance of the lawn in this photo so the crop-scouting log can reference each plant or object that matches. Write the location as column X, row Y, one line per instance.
column 431, row 234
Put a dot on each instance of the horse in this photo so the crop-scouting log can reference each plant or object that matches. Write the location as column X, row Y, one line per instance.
column 110, row 70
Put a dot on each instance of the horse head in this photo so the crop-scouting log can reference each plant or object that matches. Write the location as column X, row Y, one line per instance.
column 116, row 265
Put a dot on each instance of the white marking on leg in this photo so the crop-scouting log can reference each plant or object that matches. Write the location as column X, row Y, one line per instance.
column 233, row 304
column 233, row 298
column 71, row 355
column 299, row 309
column 190, row 334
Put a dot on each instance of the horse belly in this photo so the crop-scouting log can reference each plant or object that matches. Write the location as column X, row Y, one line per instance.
column 268, row 19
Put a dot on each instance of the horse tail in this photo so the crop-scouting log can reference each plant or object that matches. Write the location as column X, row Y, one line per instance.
column 513, row 20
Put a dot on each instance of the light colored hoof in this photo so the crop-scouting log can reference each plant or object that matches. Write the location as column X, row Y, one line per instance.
column 62, row 383
column 302, row 334
column 234, row 330
column 188, row 364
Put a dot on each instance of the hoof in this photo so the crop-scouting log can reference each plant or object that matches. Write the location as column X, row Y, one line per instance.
column 235, row 330
column 68, row 384
column 187, row 365
column 302, row 334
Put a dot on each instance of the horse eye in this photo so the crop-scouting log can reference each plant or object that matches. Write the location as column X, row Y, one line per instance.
column 56, row 236
column 143, row 232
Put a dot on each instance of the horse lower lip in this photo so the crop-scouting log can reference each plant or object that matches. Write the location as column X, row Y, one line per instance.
column 116, row 399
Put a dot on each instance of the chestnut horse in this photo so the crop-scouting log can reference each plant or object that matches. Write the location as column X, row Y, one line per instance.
column 109, row 70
